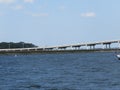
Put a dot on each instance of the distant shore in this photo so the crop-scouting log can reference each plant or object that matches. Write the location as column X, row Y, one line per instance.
column 59, row 51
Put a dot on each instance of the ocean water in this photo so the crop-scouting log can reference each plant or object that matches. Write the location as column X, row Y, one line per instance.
column 75, row 71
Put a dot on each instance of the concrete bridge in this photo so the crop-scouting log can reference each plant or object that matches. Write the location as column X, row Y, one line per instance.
column 104, row 45
column 87, row 46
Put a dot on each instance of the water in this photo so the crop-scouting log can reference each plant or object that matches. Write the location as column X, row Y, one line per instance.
column 80, row 71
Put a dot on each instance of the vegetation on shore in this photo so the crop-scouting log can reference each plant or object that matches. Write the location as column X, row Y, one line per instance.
column 8, row 45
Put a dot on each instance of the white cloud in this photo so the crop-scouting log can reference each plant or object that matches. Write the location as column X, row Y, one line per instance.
column 13, row 1
column 39, row 14
column 28, row 1
column 88, row 14
column 7, row 1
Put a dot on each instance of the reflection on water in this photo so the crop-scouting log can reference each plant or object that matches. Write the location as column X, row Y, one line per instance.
column 80, row 71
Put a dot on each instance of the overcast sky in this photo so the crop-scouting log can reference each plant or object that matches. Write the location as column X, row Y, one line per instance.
column 59, row 22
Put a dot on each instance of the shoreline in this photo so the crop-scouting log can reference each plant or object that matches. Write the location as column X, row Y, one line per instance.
column 116, row 50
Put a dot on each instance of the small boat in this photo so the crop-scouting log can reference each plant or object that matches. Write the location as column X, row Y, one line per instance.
column 118, row 56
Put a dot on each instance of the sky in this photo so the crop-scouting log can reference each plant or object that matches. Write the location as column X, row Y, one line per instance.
column 59, row 22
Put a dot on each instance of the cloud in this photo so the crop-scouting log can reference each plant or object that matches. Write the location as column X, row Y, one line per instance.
column 39, row 14
column 28, row 1
column 7, row 1
column 88, row 14
column 13, row 1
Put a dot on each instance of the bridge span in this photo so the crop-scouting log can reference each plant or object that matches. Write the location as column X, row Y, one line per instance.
column 81, row 46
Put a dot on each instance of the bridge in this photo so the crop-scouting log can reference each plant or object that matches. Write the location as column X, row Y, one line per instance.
column 103, row 45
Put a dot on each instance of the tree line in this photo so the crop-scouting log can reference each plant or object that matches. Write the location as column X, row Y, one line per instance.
column 8, row 45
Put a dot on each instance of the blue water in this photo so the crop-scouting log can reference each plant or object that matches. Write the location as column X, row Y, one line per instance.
column 80, row 71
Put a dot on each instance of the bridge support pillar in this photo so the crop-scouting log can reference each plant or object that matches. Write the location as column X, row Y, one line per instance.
column 86, row 46
column 118, row 44
column 102, row 46
column 92, row 46
column 107, row 46
column 76, row 48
